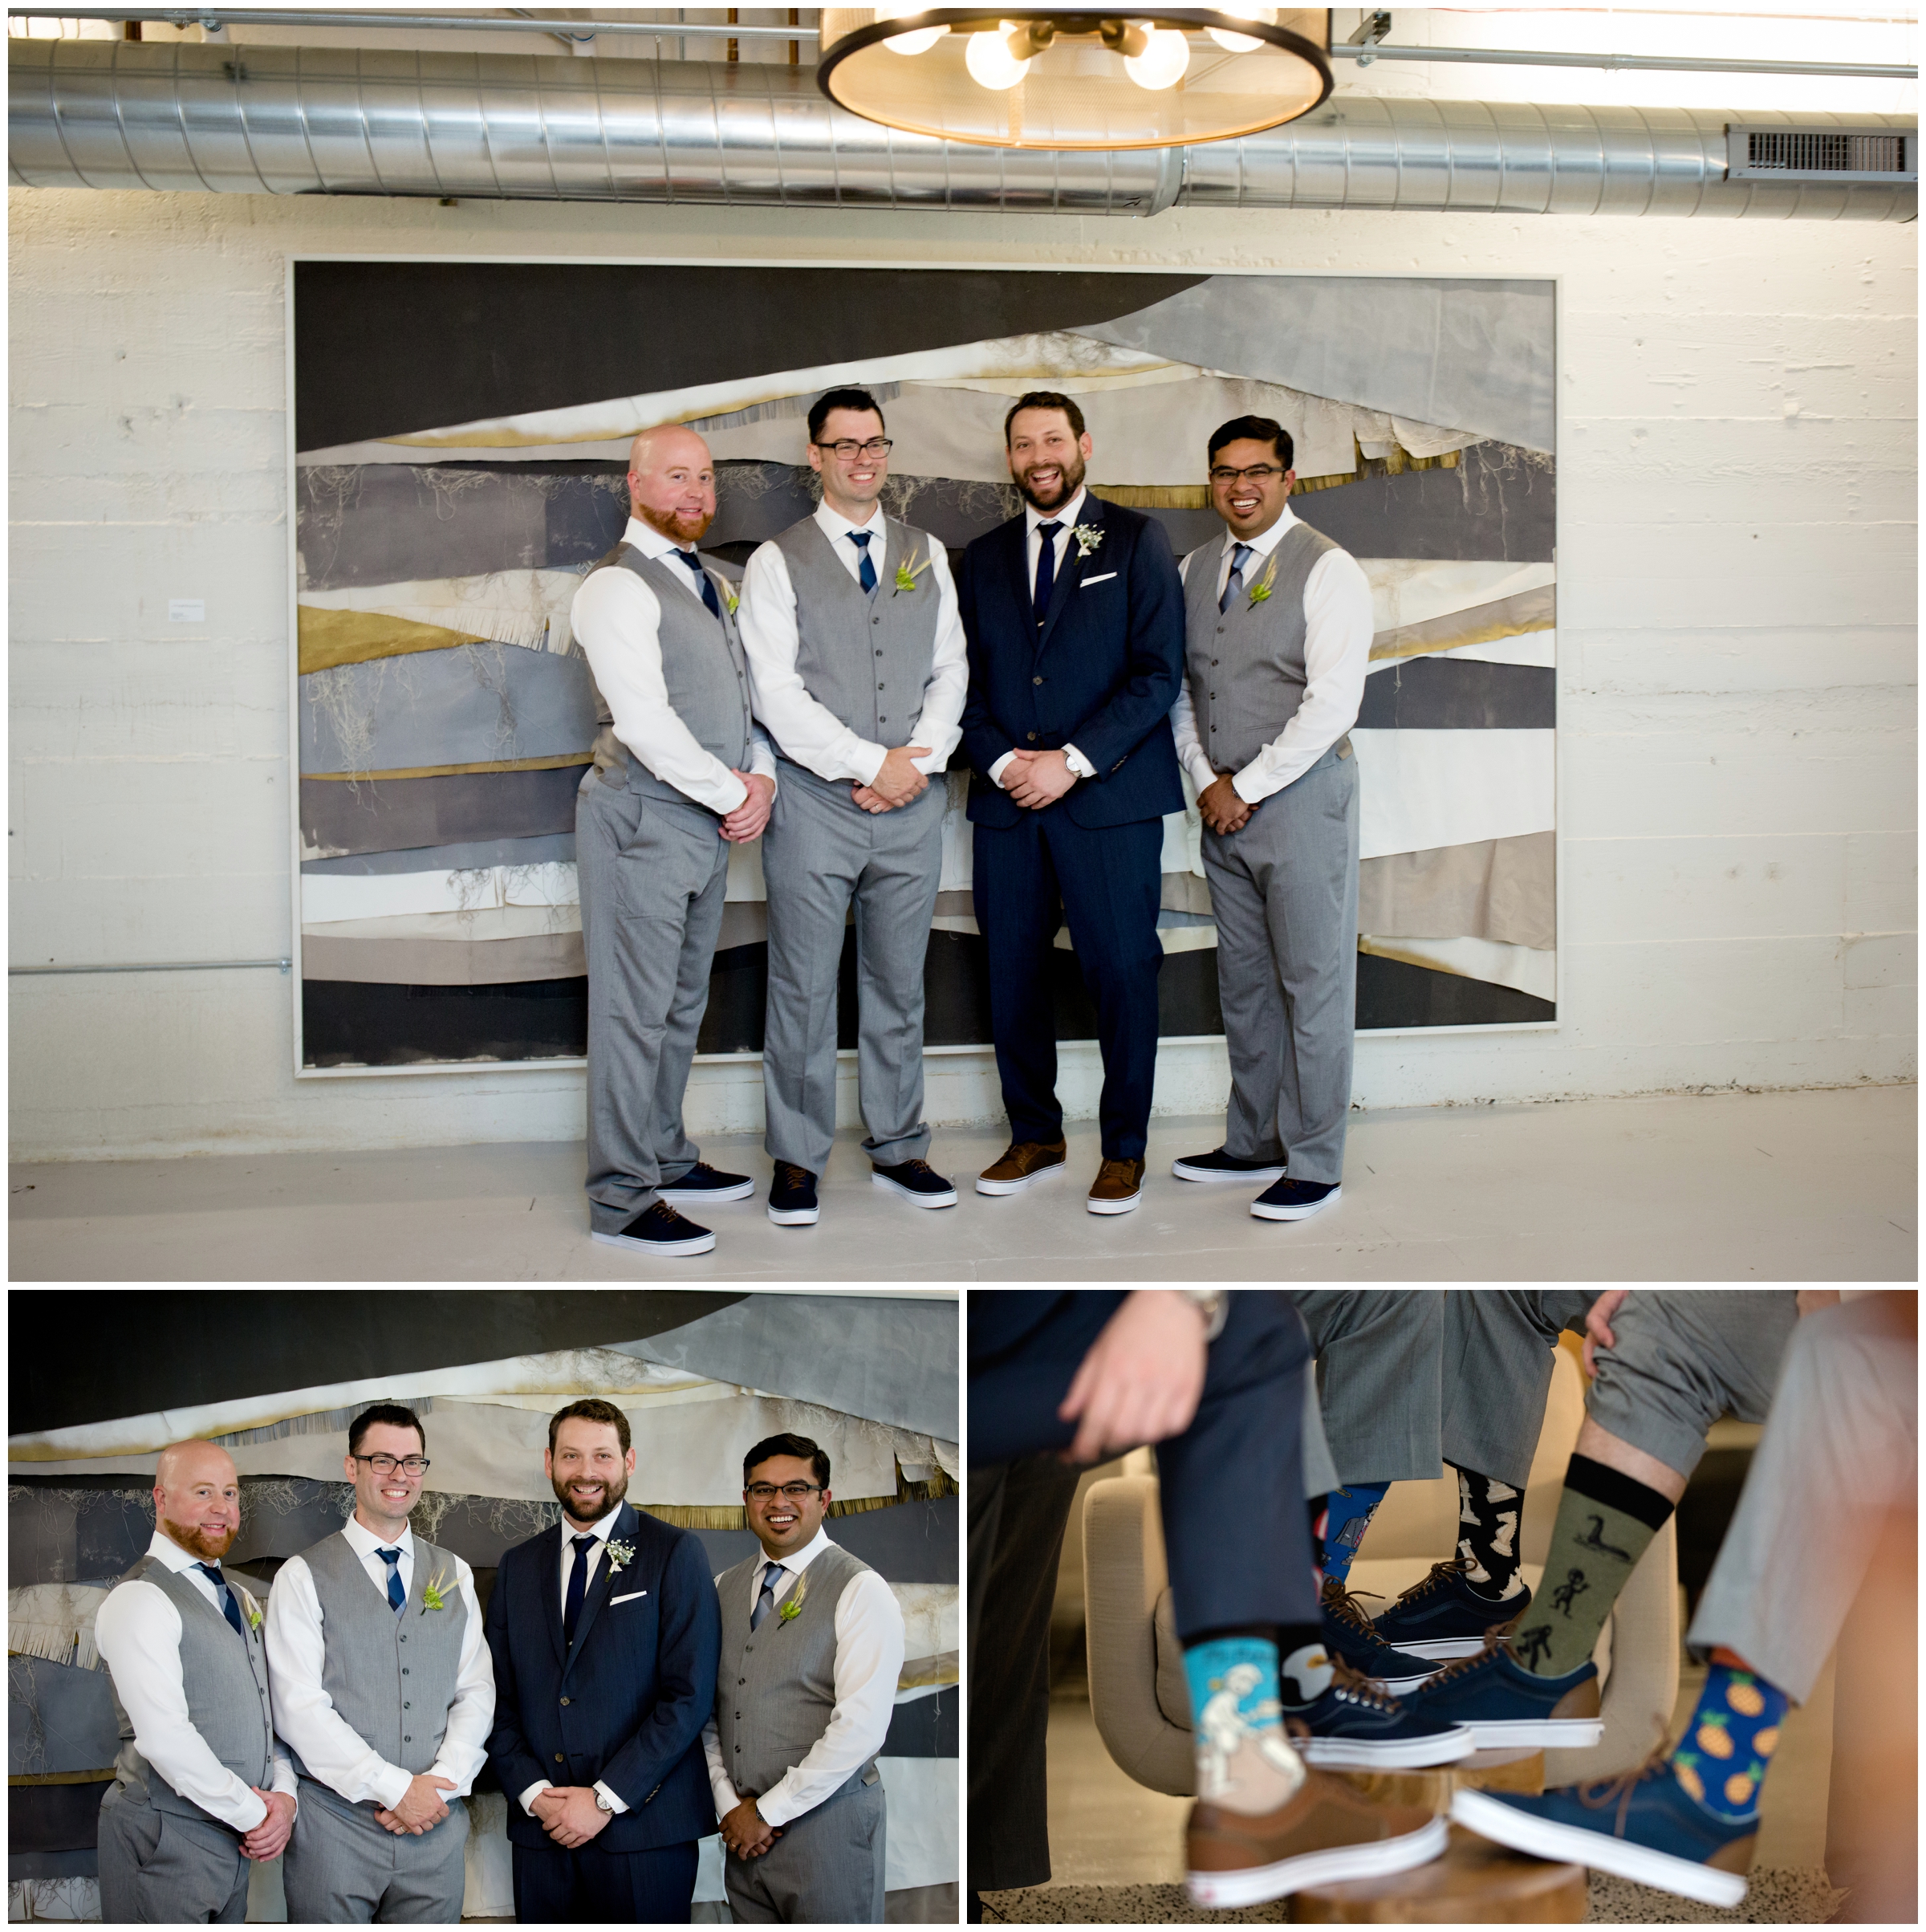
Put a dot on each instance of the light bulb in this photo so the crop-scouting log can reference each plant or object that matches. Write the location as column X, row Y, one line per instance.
column 991, row 63
column 1162, row 62
column 1242, row 44
column 921, row 41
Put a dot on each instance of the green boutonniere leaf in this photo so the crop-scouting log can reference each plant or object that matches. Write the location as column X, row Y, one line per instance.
column 431, row 1593
column 1261, row 590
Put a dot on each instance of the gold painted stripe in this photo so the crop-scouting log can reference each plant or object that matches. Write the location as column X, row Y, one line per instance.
column 1529, row 610
column 328, row 638
column 1389, row 949
column 511, row 764
column 917, row 1671
column 64, row 1777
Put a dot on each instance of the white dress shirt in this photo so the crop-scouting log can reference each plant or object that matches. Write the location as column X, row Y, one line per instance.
column 138, row 1631
column 616, row 618
column 1034, row 519
column 601, row 1532
column 1337, row 656
column 305, row 1714
column 811, row 733
column 869, row 1660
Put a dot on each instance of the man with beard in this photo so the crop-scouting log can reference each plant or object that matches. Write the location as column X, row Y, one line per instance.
column 850, row 622
column 382, row 1686
column 605, row 1634
column 1074, row 616
column 182, row 1647
column 812, row 1646
column 681, row 774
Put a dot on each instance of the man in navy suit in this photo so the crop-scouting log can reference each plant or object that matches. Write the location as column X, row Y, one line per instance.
column 1074, row 615
column 605, row 1632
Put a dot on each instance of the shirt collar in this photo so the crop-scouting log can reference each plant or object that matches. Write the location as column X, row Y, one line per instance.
column 170, row 1556
column 364, row 1541
column 798, row 1561
column 650, row 541
column 601, row 1531
column 1267, row 542
column 1071, row 514
column 836, row 526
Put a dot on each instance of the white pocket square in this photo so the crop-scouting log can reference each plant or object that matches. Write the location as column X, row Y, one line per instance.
column 630, row 1598
column 1104, row 578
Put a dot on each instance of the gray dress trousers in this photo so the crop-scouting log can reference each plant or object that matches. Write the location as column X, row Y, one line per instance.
column 826, row 1869
column 162, row 1868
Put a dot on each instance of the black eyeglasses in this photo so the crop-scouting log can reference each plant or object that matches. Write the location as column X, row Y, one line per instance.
column 877, row 446
column 1258, row 473
column 386, row 1466
column 762, row 1492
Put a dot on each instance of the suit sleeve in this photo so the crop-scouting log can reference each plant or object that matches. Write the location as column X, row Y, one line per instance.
column 1154, row 650
column 688, row 1644
column 984, row 741
column 515, row 1763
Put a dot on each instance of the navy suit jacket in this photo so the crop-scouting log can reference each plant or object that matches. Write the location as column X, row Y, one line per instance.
column 626, row 1702
column 1102, row 674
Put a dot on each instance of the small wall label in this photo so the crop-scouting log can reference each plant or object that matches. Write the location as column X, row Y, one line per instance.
column 187, row 610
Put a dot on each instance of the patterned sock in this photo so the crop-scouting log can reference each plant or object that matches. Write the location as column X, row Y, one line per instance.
column 1245, row 1763
column 1605, row 1521
column 1489, row 1512
column 1320, row 1519
column 1721, row 1762
column 1348, row 1512
column 1305, row 1674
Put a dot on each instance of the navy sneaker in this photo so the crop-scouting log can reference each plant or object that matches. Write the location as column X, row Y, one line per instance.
column 1293, row 1200
column 1226, row 1166
column 1356, row 1725
column 918, row 1182
column 1350, row 1633
column 703, row 1183
column 1444, row 1617
column 792, row 1196
column 1643, row 1826
column 1506, row 1705
column 659, row 1229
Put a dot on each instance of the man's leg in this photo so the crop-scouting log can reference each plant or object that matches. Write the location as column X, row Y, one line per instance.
column 159, row 1869
column 826, row 1869
column 651, row 1888
column 1499, row 1347
column 545, row 1890
column 1378, row 1355
column 675, row 1152
column 430, row 1875
column 1017, row 911
column 335, row 1870
column 1252, row 1002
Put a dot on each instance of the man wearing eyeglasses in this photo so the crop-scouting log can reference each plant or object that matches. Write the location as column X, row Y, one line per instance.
column 812, row 1646
column 1278, row 629
column 384, row 1691
column 857, row 659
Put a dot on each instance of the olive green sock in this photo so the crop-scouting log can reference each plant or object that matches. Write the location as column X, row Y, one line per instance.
column 1606, row 1520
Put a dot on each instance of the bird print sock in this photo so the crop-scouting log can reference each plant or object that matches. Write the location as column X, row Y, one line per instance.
column 1605, row 1521
column 1722, row 1760
column 1245, row 1762
column 1489, row 1513
column 1347, row 1515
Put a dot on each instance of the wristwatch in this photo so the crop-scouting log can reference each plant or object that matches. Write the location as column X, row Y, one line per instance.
column 602, row 1803
column 1214, row 1304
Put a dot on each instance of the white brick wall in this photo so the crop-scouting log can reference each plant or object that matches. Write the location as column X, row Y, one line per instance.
column 1737, row 587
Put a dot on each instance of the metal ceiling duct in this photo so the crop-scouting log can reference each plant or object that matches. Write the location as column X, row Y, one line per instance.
column 275, row 120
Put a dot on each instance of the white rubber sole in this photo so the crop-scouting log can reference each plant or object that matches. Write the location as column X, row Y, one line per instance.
column 1601, row 1852
column 1227, row 1891
column 1016, row 1187
column 1210, row 1175
column 1443, row 1649
column 1114, row 1207
column 700, row 1245
column 794, row 1216
column 911, row 1195
column 1298, row 1214
column 1536, row 1734
column 1400, row 1686
column 1402, row 1754
column 695, row 1197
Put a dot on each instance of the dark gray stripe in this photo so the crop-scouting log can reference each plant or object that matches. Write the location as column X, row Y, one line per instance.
column 29, row 1865
column 913, row 1542
column 397, row 814
column 926, row 1726
column 1496, row 506
column 553, row 848
column 1392, row 993
column 1460, row 694
column 59, row 1718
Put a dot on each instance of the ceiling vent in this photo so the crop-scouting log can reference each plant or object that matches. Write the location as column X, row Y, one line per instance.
column 1821, row 154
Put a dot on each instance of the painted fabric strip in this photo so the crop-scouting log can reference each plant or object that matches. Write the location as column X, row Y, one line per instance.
column 1523, row 968
column 1537, row 647
column 1408, row 591
column 434, row 962
column 1426, row 788
column 347, row 1023
column 476, row 766
column 1473, row 355
column 1502, row 889
column 339, row 820
column 476, row 702
column 1455, row 694
column 481, row 923
column 1484, row 623
column 60, row 1718
column 550, row 848
column 527, row 607
column 332, row 897
column 1394, row 994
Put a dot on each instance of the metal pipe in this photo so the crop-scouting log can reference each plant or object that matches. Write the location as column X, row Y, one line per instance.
column 443, row 23
column 164, row 965
column 1656, row 63
column 347, row 120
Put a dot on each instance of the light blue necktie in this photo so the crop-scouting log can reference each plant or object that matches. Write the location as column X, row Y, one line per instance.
column 1234, row 582
column 767, row 1602
column 866, row 576
column 397, row 1597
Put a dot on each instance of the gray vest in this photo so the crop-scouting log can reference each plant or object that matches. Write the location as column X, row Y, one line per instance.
column 225, row 1680
column 1246, row 665
column 391, row 1679
column 865, row 657
column 706, row 675
column 776, row 1687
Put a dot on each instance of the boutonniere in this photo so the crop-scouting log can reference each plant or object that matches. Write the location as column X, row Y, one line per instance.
column 618, row 1555
column 791, row 1610
column 1261, row 589
column 908, row 570
column 431, row 1597
column 1088, row 536
column 251, row 1611
column 730, row 598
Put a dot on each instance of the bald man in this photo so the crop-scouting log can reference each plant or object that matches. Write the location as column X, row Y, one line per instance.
column 198, row 1764
column 681, row 772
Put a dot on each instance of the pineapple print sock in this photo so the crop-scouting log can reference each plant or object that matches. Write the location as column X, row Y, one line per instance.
column 1489, row 1513
column 1347, row 1515
column 1721, row 1761
column 1605, row 1521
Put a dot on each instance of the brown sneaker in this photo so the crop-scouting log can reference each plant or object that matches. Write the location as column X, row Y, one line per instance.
column 1023, row 1163
column 1116, row 1189
column 1327, row 1833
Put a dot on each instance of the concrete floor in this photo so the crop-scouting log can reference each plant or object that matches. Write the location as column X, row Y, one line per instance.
column 1813, row 1186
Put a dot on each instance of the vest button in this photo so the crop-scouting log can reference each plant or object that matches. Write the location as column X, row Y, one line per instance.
column 1214, row 694
column 410, row 1738
column 881, row 687
column 879, row 650
column 1036, row 680
column 404, row 1669
column 1213, row 661
column 741, row 1680
column 882, row 717
column 406, row 1706
column 875, row 619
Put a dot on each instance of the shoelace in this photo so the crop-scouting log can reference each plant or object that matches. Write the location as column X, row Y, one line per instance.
column 1439, row 1574
column 1361, row 1689
column 1346, row 1606
column 1595, row 1797
column 789, row 1174
column 1495, row 1635
column 919, row 1167
column 1122, row 1168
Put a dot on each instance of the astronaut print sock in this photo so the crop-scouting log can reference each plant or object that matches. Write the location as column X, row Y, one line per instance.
column 1347, row 1515
column 1489, row 1513
column 1721, row 1761
column 1245, row 1762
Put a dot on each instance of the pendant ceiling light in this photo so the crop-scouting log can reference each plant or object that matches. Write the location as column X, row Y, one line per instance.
column 1058, row 77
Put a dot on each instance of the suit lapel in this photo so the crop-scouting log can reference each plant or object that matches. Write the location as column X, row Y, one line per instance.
column 1018, row 556
column 1072, row 573
column 624, row 1531
column 548, row 1569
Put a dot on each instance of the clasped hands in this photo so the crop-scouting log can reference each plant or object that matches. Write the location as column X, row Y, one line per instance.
column 748, row 818
column 270, row 1837
column 569, row 1814
column 744, row 1833
column 1224, row 811
column 1037, row 779
column 896, row 782
column 420, row 1808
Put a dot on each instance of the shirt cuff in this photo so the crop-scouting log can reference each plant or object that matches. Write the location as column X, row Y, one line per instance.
column 867, row 758
column 1251, row 785
column 1077, row 762
column 995, row 774
column 614, row 1798
column 1202, row 776
column 762, row 761
column 527, row 1800
column 285, row 1780
column 772, row 1807
column 390, row 1785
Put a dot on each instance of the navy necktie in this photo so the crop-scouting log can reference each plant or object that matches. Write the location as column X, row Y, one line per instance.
column 397, row 1595
column 703, row 578
column 1046, row 569
column 1234, row 582
column 767, row 1602
column 867, row 575
column 578, row 1587
column 230, row 1608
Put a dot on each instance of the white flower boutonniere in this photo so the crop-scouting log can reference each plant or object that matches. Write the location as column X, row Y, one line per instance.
column 620, row 1554
column 1088, row 536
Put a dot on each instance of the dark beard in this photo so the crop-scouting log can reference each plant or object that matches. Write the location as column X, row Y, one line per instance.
column 613, row 1493
column 203, row 1544
column 1073, row 482
column 671, row 527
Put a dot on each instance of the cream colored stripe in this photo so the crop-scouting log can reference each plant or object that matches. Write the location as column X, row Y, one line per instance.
column 1493, row 888
column 509, row 764
column 1524, row 968
column 1532, row 610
